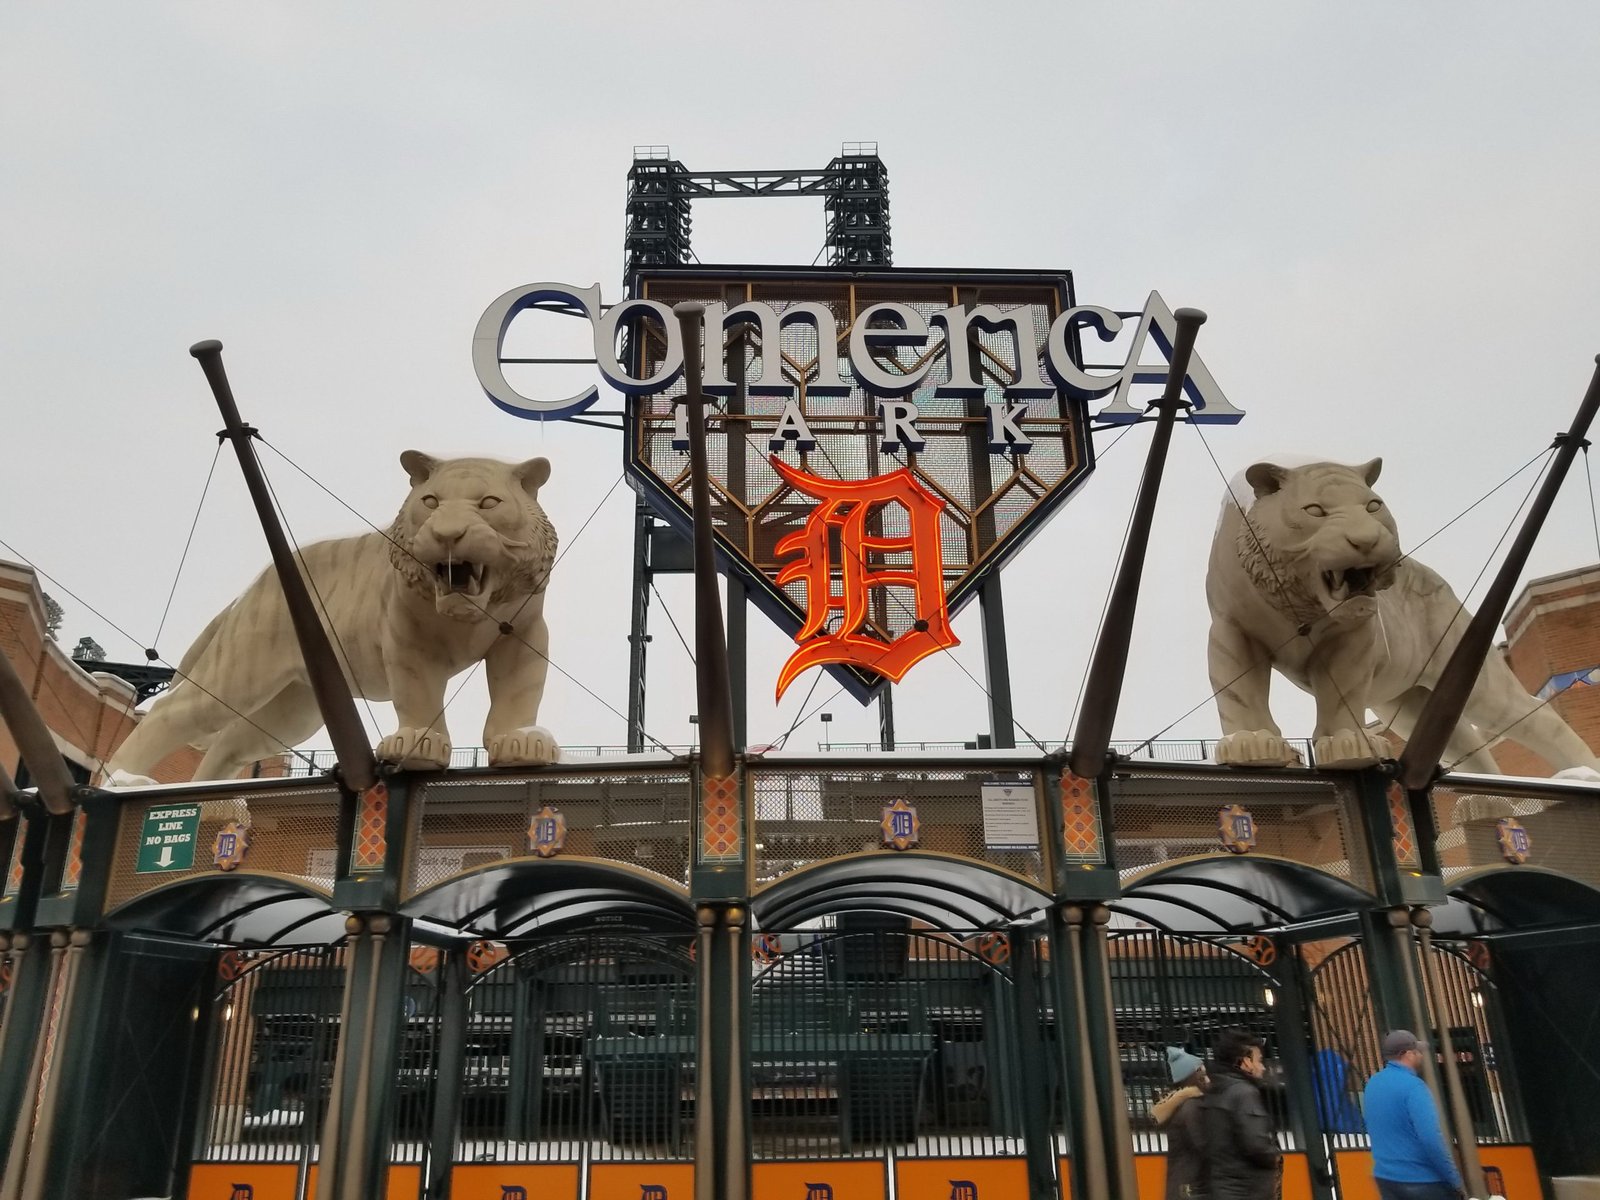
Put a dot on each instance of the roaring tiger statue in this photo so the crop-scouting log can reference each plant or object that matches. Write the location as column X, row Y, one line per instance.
column 1306, row 577
column 459, row 578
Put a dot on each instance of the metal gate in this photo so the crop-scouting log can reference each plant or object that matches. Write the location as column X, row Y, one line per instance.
column 1345, row 1038
column 1468, row 1006
column 272, row 1037
column 579, row 1049
column 1172, row 990
column 883, row 1043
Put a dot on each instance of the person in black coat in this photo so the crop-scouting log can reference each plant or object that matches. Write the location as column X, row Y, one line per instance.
column 1241, row 1148
column 1179, row 1115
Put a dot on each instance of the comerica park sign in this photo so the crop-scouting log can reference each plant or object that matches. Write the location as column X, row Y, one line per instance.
column 1038, row 370
column 878, row 442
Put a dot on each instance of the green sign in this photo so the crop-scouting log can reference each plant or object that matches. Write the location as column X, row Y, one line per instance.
column 167, row 841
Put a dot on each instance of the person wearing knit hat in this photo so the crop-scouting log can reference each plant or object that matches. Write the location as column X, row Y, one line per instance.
column 1179, row 1116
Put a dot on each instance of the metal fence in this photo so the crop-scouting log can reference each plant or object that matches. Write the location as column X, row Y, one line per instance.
column 1345, row 1037
column 273, row 1034
column 1179, row 991
column 806, row 814
column 866, row 1043
column 580, row 1049
column 1179, row 750
column 295, row 833
column 641, row 818
column 1161, row 815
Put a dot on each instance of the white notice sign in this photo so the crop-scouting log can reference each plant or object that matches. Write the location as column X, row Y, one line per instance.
column 1010, row 817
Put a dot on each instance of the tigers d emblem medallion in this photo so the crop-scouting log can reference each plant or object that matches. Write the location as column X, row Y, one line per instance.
column 547, row 832
column 902, row 828
column 231, row 845
column 1516, row 846
column 1236, row 829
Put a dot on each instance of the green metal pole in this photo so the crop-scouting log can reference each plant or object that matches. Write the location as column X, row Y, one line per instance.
column 1291, row 1017
column 34, row 742
column 1108, row 1060
column 450, row 1074
column 358, row 769
column 39, row 1163
column 333, row 1123
column 16, row 1163
column 1037, row 1143
column 1466, row 1137
column 705, row 1108
column 1082, row 1102
column 1102, row 690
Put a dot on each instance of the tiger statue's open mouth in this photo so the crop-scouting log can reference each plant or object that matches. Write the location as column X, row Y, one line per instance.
column 1347, row 583
column 462, row 578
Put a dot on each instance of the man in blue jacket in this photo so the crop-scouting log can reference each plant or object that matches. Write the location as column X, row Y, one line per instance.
column 1410, row 1158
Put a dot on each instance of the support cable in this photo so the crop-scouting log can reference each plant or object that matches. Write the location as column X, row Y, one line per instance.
column 154, row 656
column 1105, row 605
column 1593, row 516
column 189, row 541
column 681, row 641
column 1461, row 604
column 810, row 691
column 327, row 617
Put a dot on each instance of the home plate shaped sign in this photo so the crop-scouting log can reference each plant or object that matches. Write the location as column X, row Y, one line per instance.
column 878, row 442
column 866, row 389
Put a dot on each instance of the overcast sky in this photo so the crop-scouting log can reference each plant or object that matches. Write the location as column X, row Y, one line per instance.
column 1389, row 212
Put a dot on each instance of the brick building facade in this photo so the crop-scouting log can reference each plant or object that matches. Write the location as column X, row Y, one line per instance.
column 1553, row 645
column 88, row 712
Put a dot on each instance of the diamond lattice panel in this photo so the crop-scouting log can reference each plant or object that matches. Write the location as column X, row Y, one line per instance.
column 993, row 501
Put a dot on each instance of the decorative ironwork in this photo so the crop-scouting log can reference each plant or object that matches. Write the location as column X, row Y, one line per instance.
column 1082, row 837
column 721, row 839
column 72, row 869
column 902, row 828
column 547, row 832
column 1405, row 841
column 14, row 872
column 1516, row 844
column 371, row 846
column 994, row 948
column 1236, row 829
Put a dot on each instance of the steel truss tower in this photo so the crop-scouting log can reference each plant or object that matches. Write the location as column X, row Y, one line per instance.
column 854, row 187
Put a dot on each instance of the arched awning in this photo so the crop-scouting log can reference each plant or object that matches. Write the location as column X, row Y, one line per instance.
column 1235, row 895
column 1507, row 899
column 946, row 892
column 235, row 909
column 528, row 895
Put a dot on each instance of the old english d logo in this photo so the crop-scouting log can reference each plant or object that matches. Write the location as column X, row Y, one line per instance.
column 819, row 1191
column 652, row 1191
column 843, row 512
column 963, row 1189
column 513, row 1191
column 243, row 1191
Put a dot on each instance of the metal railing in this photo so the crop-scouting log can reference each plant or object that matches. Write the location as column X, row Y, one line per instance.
column 1196, row 750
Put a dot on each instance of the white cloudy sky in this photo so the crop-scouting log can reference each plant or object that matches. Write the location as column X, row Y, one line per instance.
column 1389, row 212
